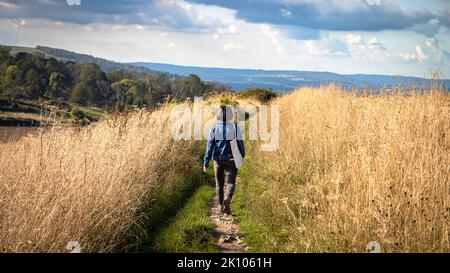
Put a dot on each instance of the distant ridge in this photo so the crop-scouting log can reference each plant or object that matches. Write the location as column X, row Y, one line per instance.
column 286, row 80
column 106, row 65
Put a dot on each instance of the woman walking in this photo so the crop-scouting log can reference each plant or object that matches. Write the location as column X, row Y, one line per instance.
column 219, row 148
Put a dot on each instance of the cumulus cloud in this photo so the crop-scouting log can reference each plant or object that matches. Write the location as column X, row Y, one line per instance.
column 326, row 47
column 406, row 56
column 328, row 14
column 358, row 40
column 374, row 44
column 273, row 35
column 430, row 52
column 440, row 55
column 232, row 46
column 421, row 56
column 231, row 29
column 354, row 39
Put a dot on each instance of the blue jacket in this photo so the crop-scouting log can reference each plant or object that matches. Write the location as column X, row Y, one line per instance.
column 218, row 146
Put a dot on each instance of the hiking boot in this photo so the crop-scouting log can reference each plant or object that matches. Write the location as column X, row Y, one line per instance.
column 226, row 205
column 220, row 209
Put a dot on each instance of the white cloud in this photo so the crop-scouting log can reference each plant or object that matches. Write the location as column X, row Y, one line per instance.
column 73, row 2
column 326, row 47
column 374, row 44
column 7, row 5
column 406, row 56
column 359, row 41
column 433, row 45
column 430, row 52
column 354, row 39
column 206, row 16
column 374, row 2
column 118, row 27
column 231, row 29
column 286, row 13
column 421, row 56
column 273, row 36
column 315, row 48
column 232, row 46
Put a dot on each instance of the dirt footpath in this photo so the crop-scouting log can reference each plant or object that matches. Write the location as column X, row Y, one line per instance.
column 226, row 232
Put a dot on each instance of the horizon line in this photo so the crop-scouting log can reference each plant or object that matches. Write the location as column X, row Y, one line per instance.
column 279, row 70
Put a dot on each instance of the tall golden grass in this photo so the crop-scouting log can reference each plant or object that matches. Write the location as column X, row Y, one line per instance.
column 354, row 169
column 86, row 184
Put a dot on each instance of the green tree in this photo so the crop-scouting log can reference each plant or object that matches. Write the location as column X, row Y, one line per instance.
column 56, row 84
column 105, row 89
column 126, row 91
column 188, row 87
column 11, row 81
column 32, row 84
column 157, row 89
column 4, row 53
column 52, row 65
column 80, row 94
column 87, row 91
column 91, row 74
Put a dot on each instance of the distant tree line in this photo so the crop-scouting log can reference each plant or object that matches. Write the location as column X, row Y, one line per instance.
column 32, row 76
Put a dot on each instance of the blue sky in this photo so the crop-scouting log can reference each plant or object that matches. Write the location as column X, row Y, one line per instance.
column 395, row 37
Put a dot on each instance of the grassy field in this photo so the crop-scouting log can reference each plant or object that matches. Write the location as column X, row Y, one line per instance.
column 31, row 113
column 30, row 50
column 99, row 185
column 350, row 170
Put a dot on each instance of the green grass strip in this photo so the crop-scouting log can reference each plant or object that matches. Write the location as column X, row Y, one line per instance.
column 191, row 230
column 258, row 235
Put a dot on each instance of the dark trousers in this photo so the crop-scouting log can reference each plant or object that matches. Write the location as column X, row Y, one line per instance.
column 225, row 171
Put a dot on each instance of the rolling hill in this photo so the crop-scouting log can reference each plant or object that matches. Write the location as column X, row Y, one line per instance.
column 286, row 80
column 106, row 65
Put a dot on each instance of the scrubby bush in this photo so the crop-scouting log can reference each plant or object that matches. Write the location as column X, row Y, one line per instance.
column 260, row 94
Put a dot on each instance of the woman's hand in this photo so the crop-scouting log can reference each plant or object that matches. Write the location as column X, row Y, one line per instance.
column 205, row 169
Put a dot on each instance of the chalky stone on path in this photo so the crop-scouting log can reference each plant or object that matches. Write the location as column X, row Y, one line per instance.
column 226, row 232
